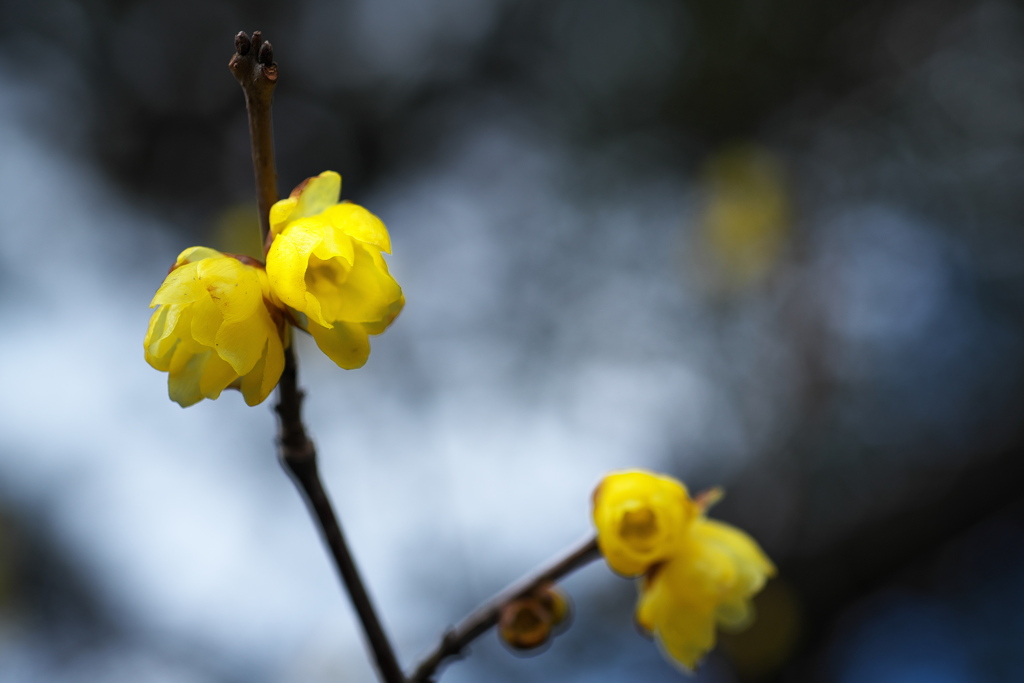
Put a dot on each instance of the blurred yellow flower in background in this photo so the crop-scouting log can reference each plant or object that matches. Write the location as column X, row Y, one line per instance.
column 640, row 517
column 700, row 574
column 326, row 263
column 215, row 327
column 746, row 218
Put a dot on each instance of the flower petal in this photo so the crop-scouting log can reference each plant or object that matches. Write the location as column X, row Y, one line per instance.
column 181, row 286
column 336, row 244
column 686, row 637
column 206, row 321
column 280, row 213
column 287, row 262
column 735, row 615
column 750, row 566
column 194, row 254
column 241, row 343
column 367, row 294
column 216, row 376
column 185, row 373
column 346, row 343
column 232, row 285
column 257, row 384
column 379, row 326
column 358, row 223
column 273, row 365
column 317, row 194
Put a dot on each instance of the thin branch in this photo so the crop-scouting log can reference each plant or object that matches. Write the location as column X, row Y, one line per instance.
column 298, row 456
column 486, row 616
column 253, row 66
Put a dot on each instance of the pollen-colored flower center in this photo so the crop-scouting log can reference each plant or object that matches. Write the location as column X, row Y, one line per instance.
column 638, row 527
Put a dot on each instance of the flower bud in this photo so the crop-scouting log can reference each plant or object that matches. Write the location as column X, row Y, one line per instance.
column 527, row 622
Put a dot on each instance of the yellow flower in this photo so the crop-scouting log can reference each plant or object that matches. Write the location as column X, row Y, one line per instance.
column 214, row 328
column 325, row 262
column 698, row 573
column 640, row 517
column 747, row 217
column 710, row 580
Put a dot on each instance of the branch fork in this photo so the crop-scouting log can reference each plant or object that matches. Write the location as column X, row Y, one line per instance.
column 254, row 67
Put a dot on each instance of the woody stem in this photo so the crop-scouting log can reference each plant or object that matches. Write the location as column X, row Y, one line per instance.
column 456, row 639
column 253, row 65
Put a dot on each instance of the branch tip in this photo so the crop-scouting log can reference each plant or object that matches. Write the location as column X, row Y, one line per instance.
column 266, row 56
column 242, row 44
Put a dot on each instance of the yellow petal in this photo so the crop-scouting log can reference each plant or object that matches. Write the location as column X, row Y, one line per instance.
column 185, row 373
column 686, row 637
column 358, row 223
column 346, row 343
column 682, row 621
column 241, row 343
column 335, row 244
column 216, row 376
column 287, row 262
column 274, row 363
column 156, row 331
column 206, row 321
column 251, row 385
column 181, row 286
column 649, row 606
column 735, row 615
column 193, row 254
column 317, row 193
column 366, row 295
column 280, row 213
column 232, row 285
column 751, row 567
column 257, row 384
column 161, row 340
column 379, row 326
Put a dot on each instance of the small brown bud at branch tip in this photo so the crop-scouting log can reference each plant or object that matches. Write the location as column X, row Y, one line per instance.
column 242, row 43
column 266, row 55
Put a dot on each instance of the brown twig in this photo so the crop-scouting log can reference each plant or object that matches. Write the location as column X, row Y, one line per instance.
column 298, row 456
column 486, row 616
column 253, row 66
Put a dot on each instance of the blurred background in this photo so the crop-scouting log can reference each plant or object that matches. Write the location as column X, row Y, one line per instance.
column 768, row 245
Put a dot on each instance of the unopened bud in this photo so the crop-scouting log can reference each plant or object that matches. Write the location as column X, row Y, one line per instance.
column 242, row 43
column 266, row 56
column 524, row 624
column 556, row 602
column 527, row 622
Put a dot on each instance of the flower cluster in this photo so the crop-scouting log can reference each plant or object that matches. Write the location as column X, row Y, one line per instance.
column 224, row 321
column 696, row 572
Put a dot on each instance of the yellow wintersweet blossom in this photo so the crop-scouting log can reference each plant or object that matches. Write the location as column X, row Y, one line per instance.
column 215, row 327
column 747, row 216
column 709, row 582
column 325, row 263
column 705, row 579
column 640, row 517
